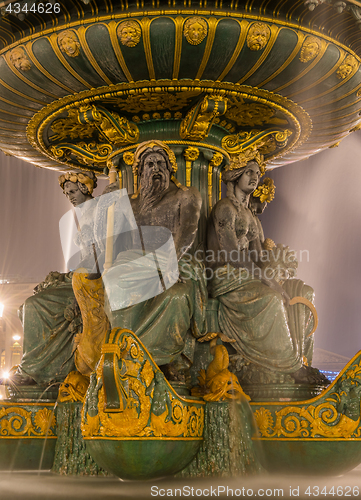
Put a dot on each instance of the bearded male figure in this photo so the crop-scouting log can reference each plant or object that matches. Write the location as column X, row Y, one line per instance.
column 164, row 212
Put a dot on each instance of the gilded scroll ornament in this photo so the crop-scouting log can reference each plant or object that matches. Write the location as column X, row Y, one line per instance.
column 310, row 49
column 85, row 153
column 266, row 141
column 144, row 405
column 69, row 43
column 16, row 421
column 19, row 60
column 129, row 33
column 199, row 120
column 348, row 66
column 195, row 30
column 258, row 36
column 336, row 414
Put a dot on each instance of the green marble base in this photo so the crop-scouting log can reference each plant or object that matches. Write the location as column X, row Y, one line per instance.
column 282, row 392
column 71, row 456
column 32, row 392
column 28, row 435
column 227, row 449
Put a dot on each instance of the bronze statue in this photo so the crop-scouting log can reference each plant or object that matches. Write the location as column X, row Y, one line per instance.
column 163, row 322
column 254, row 307
column 51, row 317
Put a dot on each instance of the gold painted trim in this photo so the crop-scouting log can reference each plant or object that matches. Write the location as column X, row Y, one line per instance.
column 84, row 44
column 166, row 12
column 294, row 112
column 273, row 37
column 117, row 50
column 320, row 80
column 145, row 23
column 54, row 44
column 28, row 82
column 18, row 105
column 33, row 59
column 28, row 98
column 135, row 438
column 306, row 439
column 21, row 437
column 301, row 37
column 337, row 117
column 242, row 37
column 353, row 91
column 178, row 22
column 212, row 26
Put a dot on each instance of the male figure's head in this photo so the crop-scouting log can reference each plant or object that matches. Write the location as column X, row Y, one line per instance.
column 154, row 173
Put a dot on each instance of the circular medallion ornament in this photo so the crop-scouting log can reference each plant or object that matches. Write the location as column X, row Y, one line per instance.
column 129, row 33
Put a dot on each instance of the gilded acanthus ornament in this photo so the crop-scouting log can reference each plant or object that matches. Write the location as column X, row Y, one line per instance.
column 19, row 60
column 241, row 160
column 69, row 43
column 195, row 30
column 310, row 49
column 129, row 33
column 258, row 36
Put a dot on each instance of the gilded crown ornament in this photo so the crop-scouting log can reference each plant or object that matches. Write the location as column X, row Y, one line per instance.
column 244, row 157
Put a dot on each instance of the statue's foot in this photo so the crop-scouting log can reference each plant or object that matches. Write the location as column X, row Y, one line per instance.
column 16, row 379
column 310, row 375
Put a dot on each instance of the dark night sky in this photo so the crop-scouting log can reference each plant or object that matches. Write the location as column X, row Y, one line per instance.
column 317, row 209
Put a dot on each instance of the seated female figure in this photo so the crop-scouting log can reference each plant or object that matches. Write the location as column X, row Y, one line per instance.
column 254, row 307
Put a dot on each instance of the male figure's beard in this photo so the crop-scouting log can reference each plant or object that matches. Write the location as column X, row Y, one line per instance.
column 152, row 190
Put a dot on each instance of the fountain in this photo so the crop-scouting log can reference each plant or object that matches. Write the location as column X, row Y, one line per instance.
column 213, row 83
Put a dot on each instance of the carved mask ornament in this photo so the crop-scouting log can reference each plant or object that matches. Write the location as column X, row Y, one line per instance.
column 129, row 33
column 258, row 36
column 348, row 66
column 19, row 60
column 310, row 49
column 195, row 30
column 69, row 43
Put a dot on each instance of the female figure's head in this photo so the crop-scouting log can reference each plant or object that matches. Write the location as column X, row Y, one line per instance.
column 242, row 182
column 78, row 186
